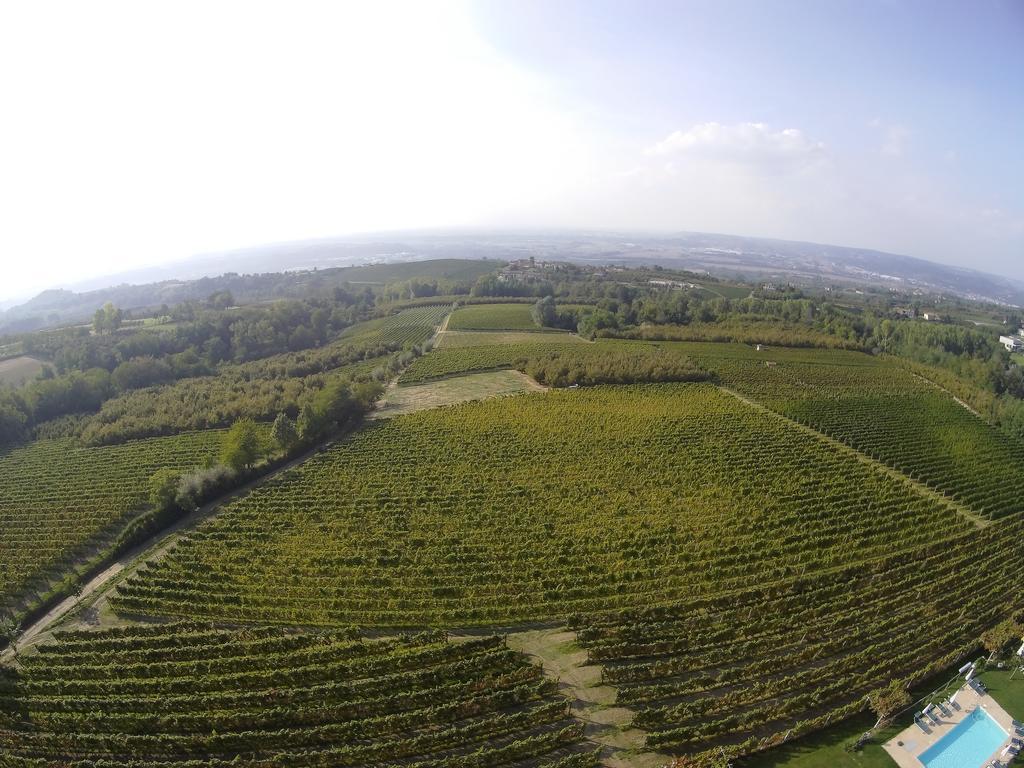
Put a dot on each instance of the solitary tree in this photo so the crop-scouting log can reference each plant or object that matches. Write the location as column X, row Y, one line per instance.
column 107, row 319
column 163, row 488
column 887, row 701
column 284, row 432
column 241, row 447
column 1001, row 635
column 309, row 423
column 544, row 312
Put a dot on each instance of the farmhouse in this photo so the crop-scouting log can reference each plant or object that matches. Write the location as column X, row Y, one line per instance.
column 1012, row 343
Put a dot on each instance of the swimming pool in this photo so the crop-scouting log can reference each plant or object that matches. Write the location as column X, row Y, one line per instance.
column 969, row 745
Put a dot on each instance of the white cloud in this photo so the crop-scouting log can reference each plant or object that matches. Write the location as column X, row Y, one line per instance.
column 753, row 145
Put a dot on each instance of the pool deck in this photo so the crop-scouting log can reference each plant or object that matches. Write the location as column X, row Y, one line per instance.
column 912, row 741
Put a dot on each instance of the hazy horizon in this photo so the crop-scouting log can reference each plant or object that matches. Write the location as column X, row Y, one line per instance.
column 149, row 134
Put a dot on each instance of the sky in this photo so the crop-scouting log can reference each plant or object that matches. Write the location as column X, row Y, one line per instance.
column 138, row 133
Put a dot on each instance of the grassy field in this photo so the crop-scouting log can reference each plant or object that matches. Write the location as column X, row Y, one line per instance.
column 458, row 389
column 16, row 371
column 493, row 317
column 830, row 748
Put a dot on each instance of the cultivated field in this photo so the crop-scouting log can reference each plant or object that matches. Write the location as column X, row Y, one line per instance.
column 533, row 508
column 493, row 317
column 740, row 560
column 884, row 411
column 206, row 697
column 466, row 352
column 59, row 501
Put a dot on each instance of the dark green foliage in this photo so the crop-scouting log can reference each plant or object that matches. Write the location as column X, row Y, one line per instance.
column 544, row 313
column 140, row 372
column 242, row 446
column 284, row 432
column 163, row 488
column 307, row 424
column 260, row 389
column 13, row 418
column 200, row 485
column 107, row 319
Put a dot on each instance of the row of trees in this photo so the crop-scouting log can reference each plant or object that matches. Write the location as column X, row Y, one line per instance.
column 336, row 407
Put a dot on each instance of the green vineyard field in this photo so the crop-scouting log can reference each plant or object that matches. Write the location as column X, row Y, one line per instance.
column 883, row 410
column 202, row 697
column 461, row 353
column 746, row 671
column 534, row 507
column 408, row 327
column 59, row 501
column 493, row 317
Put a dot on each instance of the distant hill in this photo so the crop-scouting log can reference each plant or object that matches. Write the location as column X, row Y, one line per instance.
column 815, row 263
column 253, row 274
column 725, row 255
column 61, row 306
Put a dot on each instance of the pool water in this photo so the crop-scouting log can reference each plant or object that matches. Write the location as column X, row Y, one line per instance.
column 969, row 745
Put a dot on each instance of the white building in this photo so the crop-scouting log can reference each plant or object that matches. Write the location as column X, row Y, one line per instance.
column 1012, row 343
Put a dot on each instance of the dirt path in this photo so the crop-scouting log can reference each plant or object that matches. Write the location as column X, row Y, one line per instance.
column 129, row 562
column 920, row 487
column 592, row 702
column 441, row 330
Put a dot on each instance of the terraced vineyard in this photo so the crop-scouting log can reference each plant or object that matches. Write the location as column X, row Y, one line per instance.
column 470, row 352
column 537, row 506
column 210, row 698
column 493, row 317
column 406, row 328
column 883, row 410
column 746, row 670
column 743, row 574
column 59, row 501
